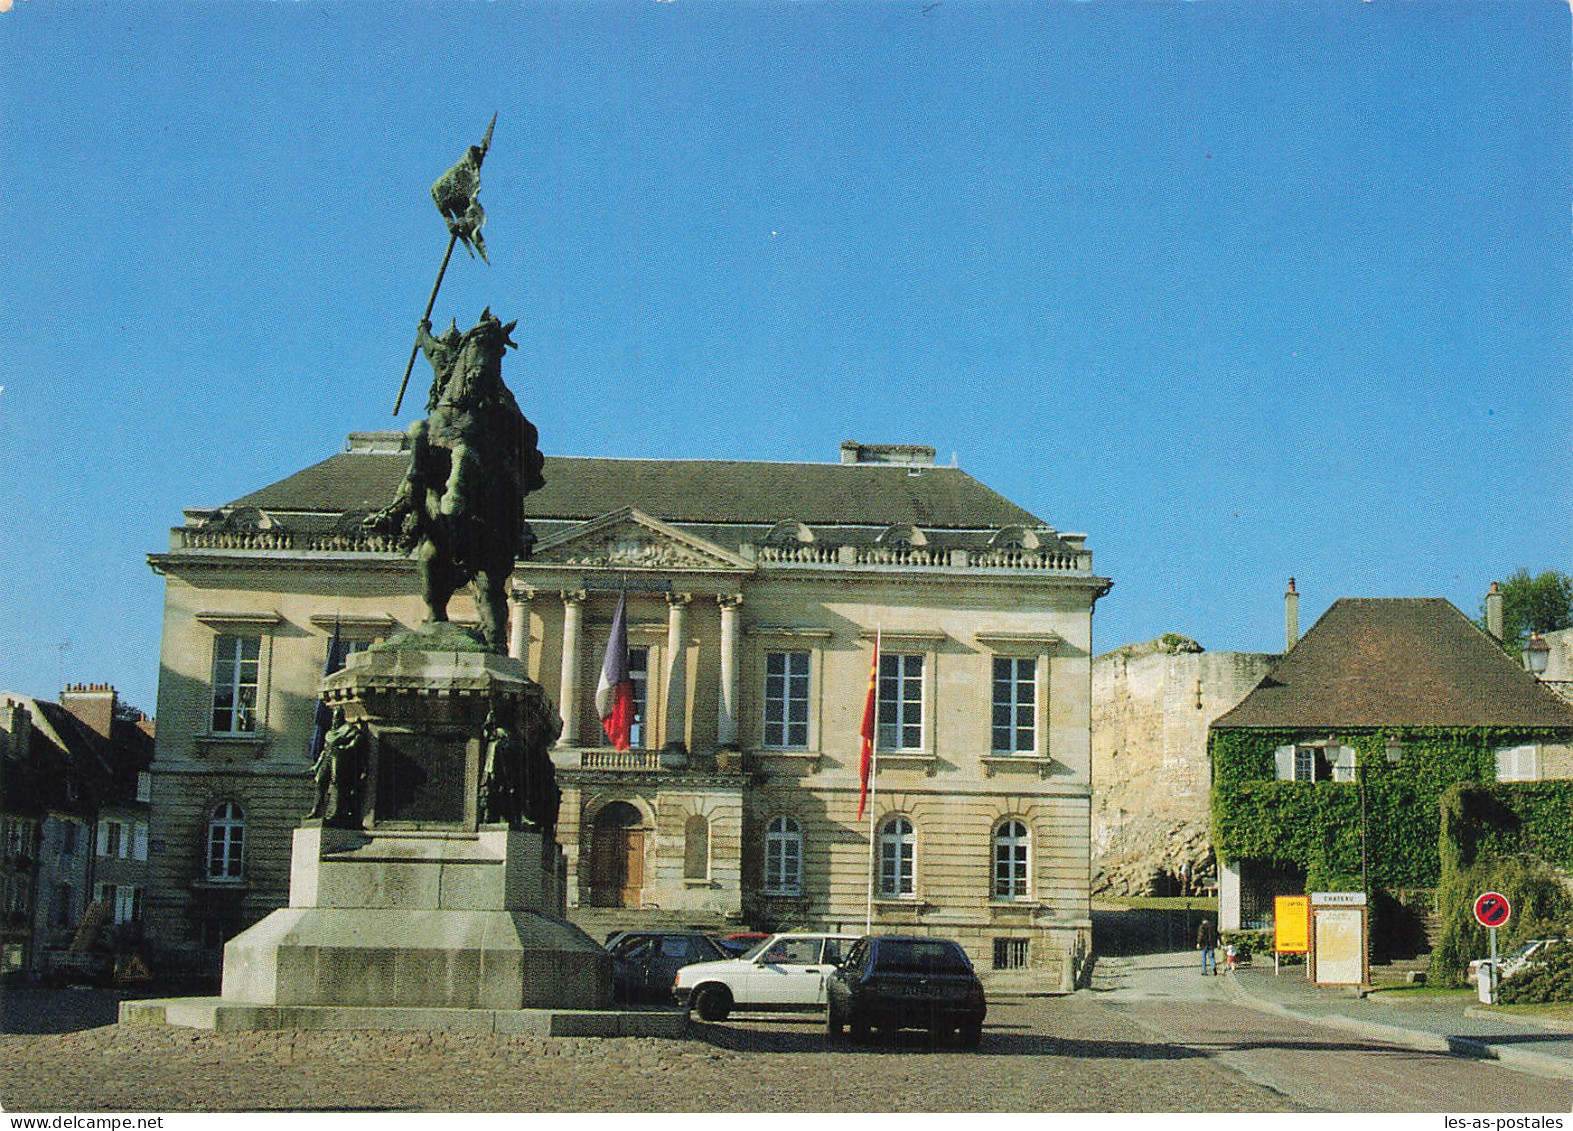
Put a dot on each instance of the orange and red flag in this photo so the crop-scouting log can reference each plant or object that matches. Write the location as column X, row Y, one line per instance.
column 870, row 721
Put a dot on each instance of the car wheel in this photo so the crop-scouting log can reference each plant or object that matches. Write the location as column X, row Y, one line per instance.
column 712, row 1003
column 859, row 1030
column 971, row 1035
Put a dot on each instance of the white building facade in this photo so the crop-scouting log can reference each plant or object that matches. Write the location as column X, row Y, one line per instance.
column 755, row 593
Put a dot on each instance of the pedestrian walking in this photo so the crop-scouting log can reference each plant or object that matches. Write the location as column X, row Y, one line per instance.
column 1207, row 943
column 1230, row 954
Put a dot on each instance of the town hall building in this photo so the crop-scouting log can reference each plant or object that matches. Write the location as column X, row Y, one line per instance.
column 755, row 593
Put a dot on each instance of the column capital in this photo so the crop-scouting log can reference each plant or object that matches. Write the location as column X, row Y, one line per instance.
column 729, row 600
column 573, row 596
column 523, row 594
column 678, row 600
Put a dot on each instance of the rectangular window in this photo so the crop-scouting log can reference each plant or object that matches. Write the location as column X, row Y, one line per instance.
column 144, row 786
column 786, row 700
column 110, row 839
column 901, row 702
column 68, row 838
column 236, row 661
column 62, row 909
column 1010, row 954
column 639, row 675
column 1311, row 764
column 783, row 857
column 897, row 859
column 1011, row 850
column 1015, row 705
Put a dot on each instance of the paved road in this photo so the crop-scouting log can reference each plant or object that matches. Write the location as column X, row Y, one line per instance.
column 1316, row 1066
column 1147, row 1040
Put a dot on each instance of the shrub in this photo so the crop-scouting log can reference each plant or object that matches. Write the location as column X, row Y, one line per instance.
column 1547, row 981
column 1541, row 906
column 1247, row 943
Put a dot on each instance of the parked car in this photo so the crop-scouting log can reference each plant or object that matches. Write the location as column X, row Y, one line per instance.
column 1517, row 960
column 738, row 944
column 645, row 962
column 891, row 982
column 781, row 972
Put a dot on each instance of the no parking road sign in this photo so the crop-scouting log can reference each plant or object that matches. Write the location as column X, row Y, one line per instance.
column 1492, row 909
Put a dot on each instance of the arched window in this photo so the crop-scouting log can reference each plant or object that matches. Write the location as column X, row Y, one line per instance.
column 783, row 857
column 696, row 848
column 1011, row 853
column 897, row 847
column 226, row 842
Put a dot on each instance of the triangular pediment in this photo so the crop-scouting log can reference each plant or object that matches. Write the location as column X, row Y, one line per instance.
column 631, row 539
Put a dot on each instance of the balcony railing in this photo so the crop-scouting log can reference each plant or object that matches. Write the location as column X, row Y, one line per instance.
column 620, row 759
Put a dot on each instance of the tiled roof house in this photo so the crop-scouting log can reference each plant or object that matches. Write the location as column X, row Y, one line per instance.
column 1397, row 698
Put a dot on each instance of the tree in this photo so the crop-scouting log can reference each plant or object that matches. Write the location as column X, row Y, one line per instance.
column 1533, row 604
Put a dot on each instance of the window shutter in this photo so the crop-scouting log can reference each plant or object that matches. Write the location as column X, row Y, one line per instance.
column 1344, row 764
column 1517, row 763
column 103, row 838
column 1283, row 763
column 140, row 849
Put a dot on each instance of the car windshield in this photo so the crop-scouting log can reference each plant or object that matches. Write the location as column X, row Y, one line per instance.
column 758, row 948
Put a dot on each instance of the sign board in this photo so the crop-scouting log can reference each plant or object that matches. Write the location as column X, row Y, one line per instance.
column 1292, row 924
column 1338, row 898
column 1338, row 954
column 1492, row 909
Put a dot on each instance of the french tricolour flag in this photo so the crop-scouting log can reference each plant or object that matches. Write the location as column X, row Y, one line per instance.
column 614, row 695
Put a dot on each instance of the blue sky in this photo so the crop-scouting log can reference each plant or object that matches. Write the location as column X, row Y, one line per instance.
column 1241, row 290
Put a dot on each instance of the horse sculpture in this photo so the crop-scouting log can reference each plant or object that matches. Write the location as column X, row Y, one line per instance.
column 458, row 512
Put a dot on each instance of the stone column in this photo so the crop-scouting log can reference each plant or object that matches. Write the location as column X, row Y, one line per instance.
column 677, row 671
column 519, row 623
column 568, row 689
column 726, row 717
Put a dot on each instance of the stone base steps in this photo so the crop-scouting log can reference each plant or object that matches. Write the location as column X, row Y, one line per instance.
column 216, row 1014
column 599, row 922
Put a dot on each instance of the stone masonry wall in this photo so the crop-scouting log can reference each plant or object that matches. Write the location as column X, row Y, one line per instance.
column 1151, row 706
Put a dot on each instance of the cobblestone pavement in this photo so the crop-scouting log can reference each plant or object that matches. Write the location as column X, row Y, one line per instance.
column 1055, row 1054
column 1148, row 1038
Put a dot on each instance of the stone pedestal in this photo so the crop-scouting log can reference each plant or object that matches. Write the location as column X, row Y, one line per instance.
column 402, row 897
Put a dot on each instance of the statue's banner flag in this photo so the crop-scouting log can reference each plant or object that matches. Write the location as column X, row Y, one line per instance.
column 455, row 194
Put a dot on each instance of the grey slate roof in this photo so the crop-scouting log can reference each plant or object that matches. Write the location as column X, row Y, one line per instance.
column 1404, row 661
column 686, row 491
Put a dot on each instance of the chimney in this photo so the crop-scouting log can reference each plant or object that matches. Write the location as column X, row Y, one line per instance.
column 93, row 704
column 1494, row 611
column 904, row 455
column 17, row 721
column 1291, row 616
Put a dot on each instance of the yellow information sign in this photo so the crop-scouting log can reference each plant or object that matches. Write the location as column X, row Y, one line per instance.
column 1292, row 924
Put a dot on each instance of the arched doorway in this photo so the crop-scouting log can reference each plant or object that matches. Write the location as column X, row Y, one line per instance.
column 617, row 856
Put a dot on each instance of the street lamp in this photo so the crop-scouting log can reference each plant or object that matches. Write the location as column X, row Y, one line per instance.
column 1537, row 654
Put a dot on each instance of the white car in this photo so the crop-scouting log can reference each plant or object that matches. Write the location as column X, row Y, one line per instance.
column 784, row 972
column 1516, row 961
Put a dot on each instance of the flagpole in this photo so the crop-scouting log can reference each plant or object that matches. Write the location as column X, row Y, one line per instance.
column 430, row 303
column 453, row 238
column 873, row 784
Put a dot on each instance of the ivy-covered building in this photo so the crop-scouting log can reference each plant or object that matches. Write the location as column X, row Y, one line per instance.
column 1329, row 774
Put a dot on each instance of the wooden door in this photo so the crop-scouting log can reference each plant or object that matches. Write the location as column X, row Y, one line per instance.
column 617, row 857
